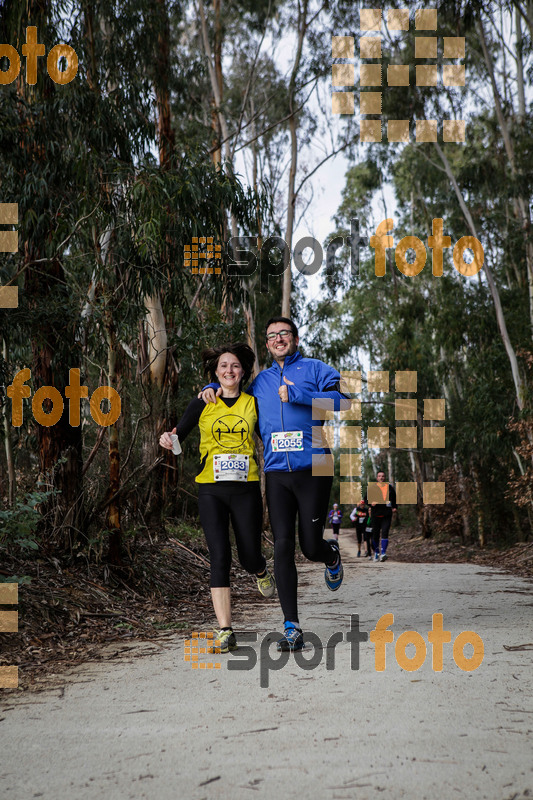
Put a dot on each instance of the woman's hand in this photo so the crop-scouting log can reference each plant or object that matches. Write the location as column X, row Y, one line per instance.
column 165, row 440
column 209, row 396
column 283, row 391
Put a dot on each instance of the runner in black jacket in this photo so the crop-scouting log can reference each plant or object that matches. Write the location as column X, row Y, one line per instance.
column 381, row 516
column 359, row 515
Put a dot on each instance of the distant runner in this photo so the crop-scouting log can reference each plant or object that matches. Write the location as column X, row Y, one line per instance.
column 335, row 517
column 381, row 516
column 360, row 515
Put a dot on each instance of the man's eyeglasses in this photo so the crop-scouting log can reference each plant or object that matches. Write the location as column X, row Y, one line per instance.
column 272, row 336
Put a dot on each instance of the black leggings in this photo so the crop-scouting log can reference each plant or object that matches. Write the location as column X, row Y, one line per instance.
column 359, row 530
column 288, row 494
column 380, row 525
column 242, row 504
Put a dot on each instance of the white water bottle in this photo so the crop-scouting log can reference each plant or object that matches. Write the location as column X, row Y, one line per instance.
column 176, row 447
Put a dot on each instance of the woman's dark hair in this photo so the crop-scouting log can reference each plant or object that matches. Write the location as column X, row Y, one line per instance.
column 286, row 320
column 242, row 351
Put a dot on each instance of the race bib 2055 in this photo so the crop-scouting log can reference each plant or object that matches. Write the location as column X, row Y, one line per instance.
column 287, row 441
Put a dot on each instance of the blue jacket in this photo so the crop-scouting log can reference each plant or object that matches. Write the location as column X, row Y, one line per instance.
column 312, row 380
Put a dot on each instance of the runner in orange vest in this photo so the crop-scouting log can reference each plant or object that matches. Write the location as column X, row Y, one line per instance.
column 381, row 516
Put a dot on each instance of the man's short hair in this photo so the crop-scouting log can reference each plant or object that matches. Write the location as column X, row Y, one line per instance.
column 286, row 320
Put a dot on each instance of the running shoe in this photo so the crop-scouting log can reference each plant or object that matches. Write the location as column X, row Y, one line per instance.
column 334, row 575
column 376, row 557
column 358, row 554
column 384, row 557
column 225, row 640
column 293, row 638
column 267, row 584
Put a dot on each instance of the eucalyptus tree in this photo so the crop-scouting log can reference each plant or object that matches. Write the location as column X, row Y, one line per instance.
column 102, row 227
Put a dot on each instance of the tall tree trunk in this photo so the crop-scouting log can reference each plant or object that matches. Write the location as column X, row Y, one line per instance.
column 526, row 14
column 59, row 445
column 113, row 521
column 216, row 78
column 522, row 203
column 12, row 484
column 157, row 339
column 480, row 507
column 520, row 388
column 520, row 68
column 154, row 339
column 217, row 154
column 164, row 120
column 389, row 466
column 248, row 311
column 293, row 125
column 465, row 504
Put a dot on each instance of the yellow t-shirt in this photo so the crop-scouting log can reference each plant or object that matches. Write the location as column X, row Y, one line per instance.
column 227, row 431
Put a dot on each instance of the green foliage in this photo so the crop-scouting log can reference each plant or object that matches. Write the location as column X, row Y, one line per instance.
column 18, row 525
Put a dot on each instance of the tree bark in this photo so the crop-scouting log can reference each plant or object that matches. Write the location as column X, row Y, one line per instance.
column 520, row 68
column 520, row 388
column 480, row 512
column 12, row 484
column 164, row 120
column 113, row 522
column 292, row 195
column 156, row 331
column 522, row 203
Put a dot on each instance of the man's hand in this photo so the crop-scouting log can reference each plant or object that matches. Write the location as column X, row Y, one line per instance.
column 283, row 391
column 394, row 510
column 165, row 440
column 209, row 396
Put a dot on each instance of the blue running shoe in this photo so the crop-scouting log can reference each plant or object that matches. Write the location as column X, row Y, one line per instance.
column 293, row 638
column 333, row 576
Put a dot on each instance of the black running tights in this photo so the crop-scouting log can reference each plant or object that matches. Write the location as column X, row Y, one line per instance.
column 289, row 494
column 244, row 507
column 380, row 525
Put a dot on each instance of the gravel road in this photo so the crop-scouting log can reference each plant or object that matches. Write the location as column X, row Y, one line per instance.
column 153, row 727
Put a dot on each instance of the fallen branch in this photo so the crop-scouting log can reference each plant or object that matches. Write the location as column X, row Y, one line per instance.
column 201, row 558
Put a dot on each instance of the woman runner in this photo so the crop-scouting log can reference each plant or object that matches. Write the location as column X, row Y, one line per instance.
column 228, row 479
column 335, row 517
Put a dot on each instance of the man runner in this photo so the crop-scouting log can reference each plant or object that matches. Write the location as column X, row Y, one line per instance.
column 285, row 393
column 381, row 516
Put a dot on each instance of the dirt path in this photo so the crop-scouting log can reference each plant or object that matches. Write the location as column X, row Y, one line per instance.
column 153, row 727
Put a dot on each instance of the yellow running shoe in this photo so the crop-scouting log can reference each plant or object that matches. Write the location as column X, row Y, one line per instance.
column 225, row 640
column 267, row 584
